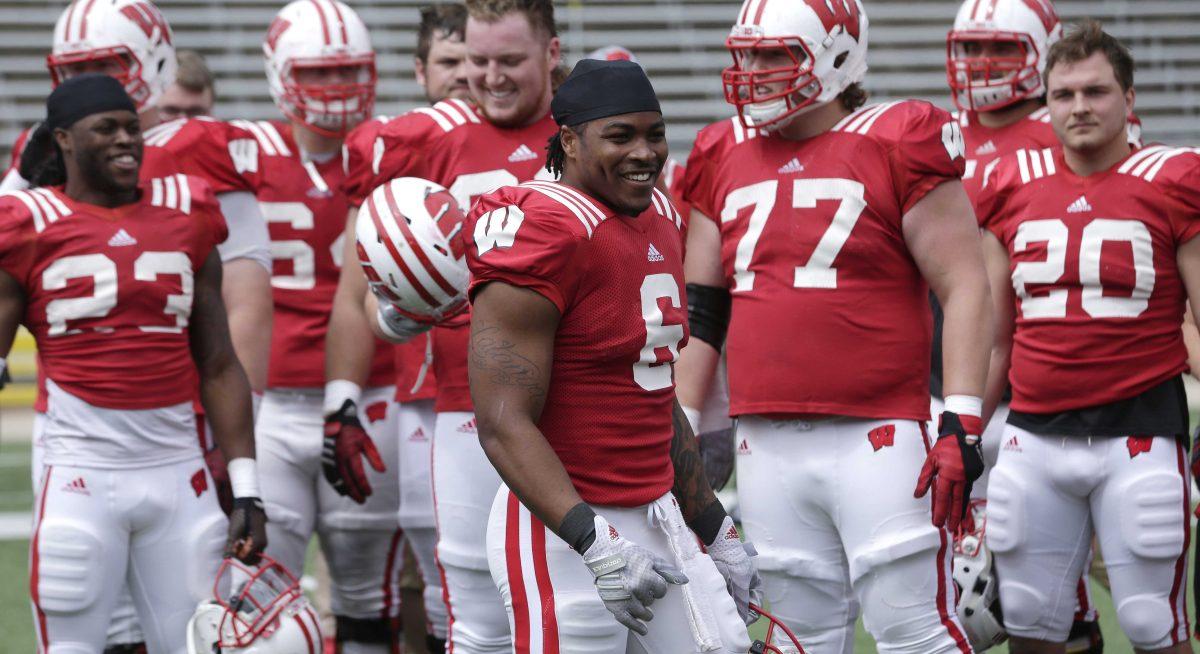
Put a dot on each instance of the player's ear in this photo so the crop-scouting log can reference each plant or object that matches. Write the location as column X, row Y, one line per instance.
column 62, row 138
column 570, row 141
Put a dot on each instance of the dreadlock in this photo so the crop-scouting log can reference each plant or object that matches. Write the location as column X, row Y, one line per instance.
column 41, row 160
column 555, row 154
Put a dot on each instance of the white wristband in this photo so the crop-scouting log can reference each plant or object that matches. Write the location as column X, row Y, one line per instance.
column 243, row 477
column 964, row 405
column 337, row 392
column 693, row 418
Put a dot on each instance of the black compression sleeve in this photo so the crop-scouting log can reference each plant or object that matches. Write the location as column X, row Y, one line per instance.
column 708, row 313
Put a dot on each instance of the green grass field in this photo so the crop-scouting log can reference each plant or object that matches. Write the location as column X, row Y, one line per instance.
column 16, row 625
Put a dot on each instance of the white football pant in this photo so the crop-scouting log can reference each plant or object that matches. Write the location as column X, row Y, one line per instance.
column 416, row 421
column 464, row 485
column 829, row 504
column 551, row 598
column 361, row 542
column 158, row 531
column 1050, row 494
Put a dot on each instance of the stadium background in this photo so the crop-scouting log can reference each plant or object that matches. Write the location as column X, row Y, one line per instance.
column 680, row 44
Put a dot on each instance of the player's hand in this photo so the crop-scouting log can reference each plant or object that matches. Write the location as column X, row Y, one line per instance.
column 346, row 442
column 628, row 577
column 716, row 452
column 247, row 530
column 220, row 476
column 953, row 465
column 398, row 326
column 734, row 561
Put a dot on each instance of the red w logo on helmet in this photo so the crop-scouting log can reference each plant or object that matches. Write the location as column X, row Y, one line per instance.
column 149, row 18
column 276, row 30
column 1045, row 12
column 839, row 12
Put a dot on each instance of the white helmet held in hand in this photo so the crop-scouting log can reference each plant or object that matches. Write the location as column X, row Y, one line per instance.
column 321, row 66
column 979, row 589
column 127, row 39
column 826, row 46
column 410, row 246
column 1020, row 33
column 264, row 613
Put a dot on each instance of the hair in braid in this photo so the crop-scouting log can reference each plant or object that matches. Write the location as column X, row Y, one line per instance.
column 555, row 155
column 41, row 160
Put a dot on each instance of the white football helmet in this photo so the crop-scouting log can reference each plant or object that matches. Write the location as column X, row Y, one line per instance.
column 265, row 612
column 826, row 41
column 982, row 82
column 128, row 39
column 320, row 66
column 411, row 249
column 978, row 588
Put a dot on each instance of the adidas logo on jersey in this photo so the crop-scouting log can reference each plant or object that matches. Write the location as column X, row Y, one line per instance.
column 653, row 255
column 793, row 166
column 522, row 153
column 418, row 435
column 78, row 485
column 986, row 148
column 743, row 447
column 469, row 427
column 121, row 239
column 1012, row 445
column 1080, row 205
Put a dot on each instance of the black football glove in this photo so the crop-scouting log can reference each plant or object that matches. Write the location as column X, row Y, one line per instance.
column 951, row 467
column 346, row 442
column 247, row 530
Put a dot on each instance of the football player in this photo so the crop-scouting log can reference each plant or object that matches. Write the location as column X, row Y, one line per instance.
column 818, row 226
column 321, row 72
column 994, row 61
column 194, row 92
column 1093, row 257
column 440, row 67
column 120, row 284
column 512, row 47
column 578, row 316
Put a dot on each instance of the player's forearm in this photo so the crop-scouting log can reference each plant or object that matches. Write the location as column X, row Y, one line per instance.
column 12, row 308
column 997, row 378
column 247, row 296
column 349, row 342
column 225, row 394
column 529, row 466
column 694, row 373
column 967, row 337
column 691, row 488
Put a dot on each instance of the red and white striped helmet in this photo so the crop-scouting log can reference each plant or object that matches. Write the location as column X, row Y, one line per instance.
column 411, row 249
column 321, row 36
column 254, row 610
column 987, row 83
column 827, row 43
column 128, row 39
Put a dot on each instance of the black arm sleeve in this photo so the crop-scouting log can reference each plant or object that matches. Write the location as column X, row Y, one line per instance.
column 708, row 313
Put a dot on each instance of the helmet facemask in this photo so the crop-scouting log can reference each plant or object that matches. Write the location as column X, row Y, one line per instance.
column 257, row 600
column 767, row 98
column 334, row 108
column 119, row 63
column 989, row 82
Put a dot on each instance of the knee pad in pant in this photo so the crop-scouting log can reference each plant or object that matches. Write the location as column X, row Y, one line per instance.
column 1146, row 621
column 480, row 624
column 367, row 630
column 70, row 567
column 364, row 567
column 900, row 606
column 1005, row 511
column 1151, row 516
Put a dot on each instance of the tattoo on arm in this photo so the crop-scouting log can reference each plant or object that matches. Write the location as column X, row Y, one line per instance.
column 691, row 486
column 496, row 356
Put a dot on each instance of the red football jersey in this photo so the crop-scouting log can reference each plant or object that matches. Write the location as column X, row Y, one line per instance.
column 1099, row 299
column 109, row 291
column 415, row 379
column 223, row 154
column 450, row 143
column 673, row 174
column 618, row 284
column 830, row 312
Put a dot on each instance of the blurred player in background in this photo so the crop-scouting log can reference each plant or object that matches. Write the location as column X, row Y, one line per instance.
column 440, row 68
column 321, row 72
column 512, row 48
column 814, row 215
column 124, row 494
column 1093, row 256
column 194, row 92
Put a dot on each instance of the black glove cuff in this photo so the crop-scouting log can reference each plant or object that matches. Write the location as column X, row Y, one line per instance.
column 578, row 527
column 248, row 503
column 347, row 414
column 707, row 525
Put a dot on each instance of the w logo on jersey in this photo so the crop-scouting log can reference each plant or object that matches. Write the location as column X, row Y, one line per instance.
column 840, row 12
column 149, row 18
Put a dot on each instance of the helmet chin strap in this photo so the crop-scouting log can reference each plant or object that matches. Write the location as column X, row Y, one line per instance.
column 763, row 112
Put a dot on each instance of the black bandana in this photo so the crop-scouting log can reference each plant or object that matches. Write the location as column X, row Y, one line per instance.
column 599, row 89
column 84, row 95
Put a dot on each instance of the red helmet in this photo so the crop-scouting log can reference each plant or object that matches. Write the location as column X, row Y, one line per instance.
column 768, row 644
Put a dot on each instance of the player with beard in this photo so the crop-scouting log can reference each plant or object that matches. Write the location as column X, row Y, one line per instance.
column 1093, row 255
column 322, row 79
column 577, row 319
column 512, row 47
column 120, row 284
column 440, row 68
column 818, row 228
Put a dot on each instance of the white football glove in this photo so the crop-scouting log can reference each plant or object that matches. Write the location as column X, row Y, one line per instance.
column 398, row 327
column 628, row 577
column 735, row 563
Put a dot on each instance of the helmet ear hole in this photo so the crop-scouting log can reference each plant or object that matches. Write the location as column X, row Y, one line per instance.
column 841, row 59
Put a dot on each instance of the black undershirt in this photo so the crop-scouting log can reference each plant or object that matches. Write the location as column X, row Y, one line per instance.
column 1159, row 411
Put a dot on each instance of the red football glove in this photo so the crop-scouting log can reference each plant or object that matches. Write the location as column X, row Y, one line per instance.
column 220, row 476
column 345, row 442
column 953, row 465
